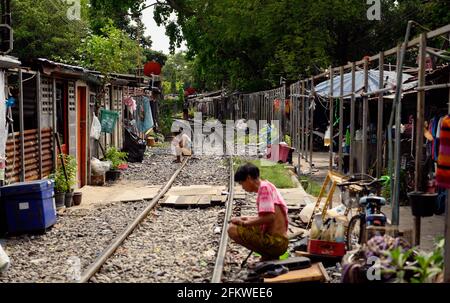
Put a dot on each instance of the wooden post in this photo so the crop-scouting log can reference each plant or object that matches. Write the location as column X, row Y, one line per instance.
column 341, row 122
column 311, row 144
column 380, row 120
column 302, row 117
column 420, row 130
column 307, row 129
column 447, row 223
column 39, row 115
column 352, row 120
column 331, row 117
column 365, row 117
column 21, row 127
column 54, row 124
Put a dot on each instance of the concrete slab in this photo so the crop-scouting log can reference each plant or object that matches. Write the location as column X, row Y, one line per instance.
column 170, row 201
column 187, row 201
column 204, row 201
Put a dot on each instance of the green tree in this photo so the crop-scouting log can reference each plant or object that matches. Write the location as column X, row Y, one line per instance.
column 112, row 51
column 42, row 29
column 178, row 73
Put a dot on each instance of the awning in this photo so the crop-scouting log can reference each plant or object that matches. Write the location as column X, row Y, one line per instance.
column 390, row 81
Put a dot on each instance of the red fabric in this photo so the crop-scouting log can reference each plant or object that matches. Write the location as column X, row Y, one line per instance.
column 443, row 170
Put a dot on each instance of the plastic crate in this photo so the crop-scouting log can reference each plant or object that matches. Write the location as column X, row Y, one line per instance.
column 108, row 120
column 317, row 247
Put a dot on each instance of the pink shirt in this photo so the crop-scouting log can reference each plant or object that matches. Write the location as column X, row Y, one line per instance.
column 268, row 197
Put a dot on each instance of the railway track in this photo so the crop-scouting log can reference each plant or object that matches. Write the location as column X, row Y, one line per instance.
column 111, row 265
column 109, row 251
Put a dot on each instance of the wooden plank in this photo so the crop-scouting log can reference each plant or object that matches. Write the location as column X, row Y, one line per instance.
column 312, row 274
column 204, row 202
column 170, row 201
column 187, row 201
column 219, row 200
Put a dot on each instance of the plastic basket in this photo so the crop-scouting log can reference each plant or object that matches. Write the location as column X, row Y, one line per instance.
column 108, row 120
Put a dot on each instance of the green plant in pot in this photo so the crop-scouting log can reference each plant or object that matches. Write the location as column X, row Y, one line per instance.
column 64, row 186
column 116, row 158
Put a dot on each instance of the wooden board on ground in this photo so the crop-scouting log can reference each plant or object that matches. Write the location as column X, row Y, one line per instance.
column 316, row 273
column 170, row 201
column 219, row 200
column 204, row 202
column 187, row 201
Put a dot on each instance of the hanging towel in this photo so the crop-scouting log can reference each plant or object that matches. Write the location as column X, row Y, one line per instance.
column 443, row 170
column 144, row 119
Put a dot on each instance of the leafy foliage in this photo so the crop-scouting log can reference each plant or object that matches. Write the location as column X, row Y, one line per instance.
column 61, row 184
column 116, row 157
column 112, row 51
column 41, row 29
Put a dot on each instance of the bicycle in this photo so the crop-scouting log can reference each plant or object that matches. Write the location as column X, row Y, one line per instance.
column 369, row 209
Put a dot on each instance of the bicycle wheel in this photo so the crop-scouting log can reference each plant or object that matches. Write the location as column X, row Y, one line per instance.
column 355, row 232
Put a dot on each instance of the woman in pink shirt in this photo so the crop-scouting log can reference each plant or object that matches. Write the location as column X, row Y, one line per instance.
column 265, row 234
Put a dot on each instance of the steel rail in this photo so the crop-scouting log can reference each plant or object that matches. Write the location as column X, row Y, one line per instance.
column 220, row 260
column 109, row 251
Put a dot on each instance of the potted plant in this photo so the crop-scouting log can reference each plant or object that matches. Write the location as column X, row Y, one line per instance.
column 117, row 160
column 63, row 186
column 422, row 204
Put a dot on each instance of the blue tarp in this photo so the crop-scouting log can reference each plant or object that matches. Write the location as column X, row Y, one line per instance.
column 390, row 80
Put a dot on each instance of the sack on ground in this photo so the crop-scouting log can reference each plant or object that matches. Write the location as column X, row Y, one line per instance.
column 100, row 167
column 5, row 262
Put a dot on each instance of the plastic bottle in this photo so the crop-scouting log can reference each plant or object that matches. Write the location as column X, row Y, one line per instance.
column 316, row 228
column 332, row 231
column 340, row 233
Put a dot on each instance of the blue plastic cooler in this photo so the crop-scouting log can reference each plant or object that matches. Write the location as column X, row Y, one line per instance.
column 28, row 206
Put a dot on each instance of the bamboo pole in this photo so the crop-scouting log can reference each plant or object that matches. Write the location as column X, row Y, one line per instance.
column 380, row 120
column 311, row 145
column 302, row 117
column 331, row 117
column 341, row 122
column 365, row 118
column 54, row 123
column 419, row 130
column 352, row 120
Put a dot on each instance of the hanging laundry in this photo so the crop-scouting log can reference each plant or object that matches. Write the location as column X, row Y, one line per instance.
column 443, row 170
column 144, row 117
column 131, row 103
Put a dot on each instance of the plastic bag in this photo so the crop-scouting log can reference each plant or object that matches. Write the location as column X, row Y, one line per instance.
column 100, row 167
column 96, row 128
column 5, row 262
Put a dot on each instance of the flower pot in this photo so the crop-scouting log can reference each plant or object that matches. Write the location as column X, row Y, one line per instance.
column 113, row 175
column 422, row 204
column 60, row 199
column 151, row 142
column 69, row 199
column 77, row 199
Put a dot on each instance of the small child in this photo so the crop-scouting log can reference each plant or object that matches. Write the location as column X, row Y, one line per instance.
column 267, row 233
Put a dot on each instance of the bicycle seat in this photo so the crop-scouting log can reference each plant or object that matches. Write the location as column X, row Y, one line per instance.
column 372, row 199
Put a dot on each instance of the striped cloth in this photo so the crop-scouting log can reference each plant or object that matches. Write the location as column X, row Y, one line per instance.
column 443, row 170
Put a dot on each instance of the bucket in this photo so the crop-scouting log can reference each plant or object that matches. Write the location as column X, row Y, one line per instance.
column 69, row 199
column 77, row 199
column 422, row 204
column 113, row 175
column 151, row 142
column 60, row 199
